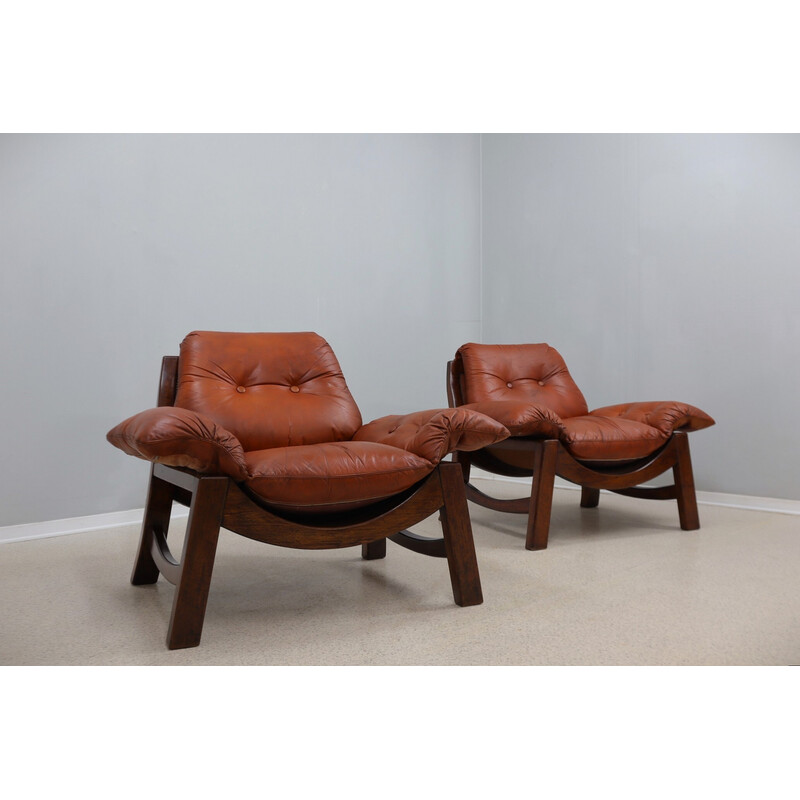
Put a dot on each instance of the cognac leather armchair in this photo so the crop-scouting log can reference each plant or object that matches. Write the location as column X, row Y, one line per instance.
column 258, row 433
column 528, row 389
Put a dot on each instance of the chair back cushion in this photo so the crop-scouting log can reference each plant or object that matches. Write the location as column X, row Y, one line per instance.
column 268, row 389
column 535, row 373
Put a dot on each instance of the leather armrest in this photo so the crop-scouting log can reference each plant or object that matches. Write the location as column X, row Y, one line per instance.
column 434, row 433
column 180, row 438
column 521, row 418
column 667, row 416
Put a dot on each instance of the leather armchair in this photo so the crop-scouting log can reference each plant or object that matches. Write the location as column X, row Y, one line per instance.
column 258, row 433
column 529, row 390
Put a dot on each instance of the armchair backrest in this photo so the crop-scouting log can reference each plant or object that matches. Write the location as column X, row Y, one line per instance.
column 534, row 373
column 268, row 389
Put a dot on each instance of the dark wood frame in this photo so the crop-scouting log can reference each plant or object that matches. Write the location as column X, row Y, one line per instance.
column 543, row 459
column 220, row 502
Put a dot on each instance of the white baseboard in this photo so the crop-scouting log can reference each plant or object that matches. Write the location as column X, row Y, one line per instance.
column 777, row 505
column 63, row 527
column 116, row 519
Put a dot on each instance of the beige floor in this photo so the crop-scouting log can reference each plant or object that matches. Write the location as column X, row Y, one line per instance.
column 621, row 584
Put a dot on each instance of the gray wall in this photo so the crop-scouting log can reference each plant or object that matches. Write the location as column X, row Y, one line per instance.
column 114, row 247
column 661, row 267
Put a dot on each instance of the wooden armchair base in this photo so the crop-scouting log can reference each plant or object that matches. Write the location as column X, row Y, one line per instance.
column 216, row 502
column 543, row 459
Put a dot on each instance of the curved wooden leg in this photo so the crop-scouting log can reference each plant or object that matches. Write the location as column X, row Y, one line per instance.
column 197, row 563
column 373, row 550
column 684, row 484
column 590, row 498
column 544, row 475
column 458, row 542
column 157, row 512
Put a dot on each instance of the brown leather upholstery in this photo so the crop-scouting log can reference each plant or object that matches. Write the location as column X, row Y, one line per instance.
column 528, row 388
column 521, row 418
column 605, row 439
column 618, row 448
column 336, row 476
column 273, row 411
column 268, row 389
column 666, row 416
column 181, row 438
column 258, row 434
column 533, row 373
column 435, row 433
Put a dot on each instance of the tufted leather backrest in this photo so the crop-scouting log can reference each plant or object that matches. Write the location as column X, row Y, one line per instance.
column 268, row 389
column 535, row 373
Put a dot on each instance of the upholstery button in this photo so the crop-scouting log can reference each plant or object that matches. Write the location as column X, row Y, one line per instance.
column 510, row 385
column 240, row 389
column 295, row 389
column 541, row 383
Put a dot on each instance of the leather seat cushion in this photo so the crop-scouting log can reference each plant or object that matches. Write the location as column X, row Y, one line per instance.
column 336, row 476
column 593, row 438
